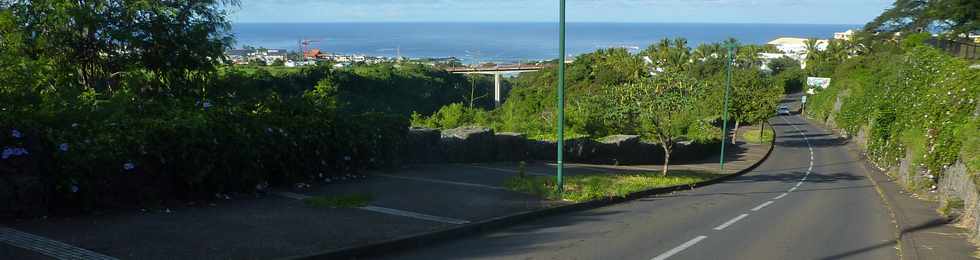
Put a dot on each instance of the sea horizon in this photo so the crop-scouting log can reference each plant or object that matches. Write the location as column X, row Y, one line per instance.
column 505, row 42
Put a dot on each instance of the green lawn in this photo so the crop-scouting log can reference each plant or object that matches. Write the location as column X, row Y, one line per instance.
column 580, row 188
column 752, row 136
column 342, row 201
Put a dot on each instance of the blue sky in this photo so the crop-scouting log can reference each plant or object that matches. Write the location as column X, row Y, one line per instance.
column 680, row 11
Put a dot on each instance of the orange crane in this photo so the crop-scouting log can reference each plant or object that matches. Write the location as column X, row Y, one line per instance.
column 304, row 46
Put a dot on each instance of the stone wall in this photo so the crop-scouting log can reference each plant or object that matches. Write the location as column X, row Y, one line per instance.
column 471, row 145
column 957, row 183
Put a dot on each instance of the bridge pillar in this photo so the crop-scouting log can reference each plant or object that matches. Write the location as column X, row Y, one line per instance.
column 496, row 89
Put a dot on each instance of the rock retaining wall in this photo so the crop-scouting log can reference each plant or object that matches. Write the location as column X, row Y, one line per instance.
column 470, row 145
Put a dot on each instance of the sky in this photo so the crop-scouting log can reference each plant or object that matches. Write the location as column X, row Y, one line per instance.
column 660, row 11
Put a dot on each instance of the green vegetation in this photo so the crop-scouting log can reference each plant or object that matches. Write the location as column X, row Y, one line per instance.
column 579, row 188
column 666, row 93
column 759, row 137
column 342, row 201
column 952, row 17
column 910, row 99
column 165, row 120
column 952, row 207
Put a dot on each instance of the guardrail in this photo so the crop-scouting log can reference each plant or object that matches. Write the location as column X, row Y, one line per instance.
column 960, row 49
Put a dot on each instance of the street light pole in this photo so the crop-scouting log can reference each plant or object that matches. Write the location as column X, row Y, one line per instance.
column 724, row 117
column 560, row 183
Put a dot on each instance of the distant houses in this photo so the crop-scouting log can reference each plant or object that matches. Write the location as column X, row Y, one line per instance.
column 796, row 48
column 791, row 45
column 250, row 55
column 844, row 36
column 309, row 57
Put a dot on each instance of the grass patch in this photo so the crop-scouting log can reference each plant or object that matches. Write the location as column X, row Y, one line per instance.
column 579, row 188
column 952, row 207
column 551, row 137
column 342, row 201
column 752, row 136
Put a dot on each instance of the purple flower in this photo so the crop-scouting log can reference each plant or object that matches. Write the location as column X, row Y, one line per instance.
column 16, row 134
column 63, row 147
column 129, row 166
column 9, row 152
column 74, row 188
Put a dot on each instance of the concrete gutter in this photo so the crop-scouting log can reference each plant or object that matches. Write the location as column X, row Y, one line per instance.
column 488, row 225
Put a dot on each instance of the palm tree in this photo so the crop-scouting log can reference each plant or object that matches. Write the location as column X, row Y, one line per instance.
column 813, row 53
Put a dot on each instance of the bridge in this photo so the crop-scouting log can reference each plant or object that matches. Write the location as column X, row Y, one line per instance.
column 497, row 72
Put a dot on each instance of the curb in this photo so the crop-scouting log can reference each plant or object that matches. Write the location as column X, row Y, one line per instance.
column 419, row 240
column 874, row 174
column 887, row 202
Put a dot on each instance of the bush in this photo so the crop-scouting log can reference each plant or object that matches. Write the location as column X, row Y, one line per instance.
column 916, row 99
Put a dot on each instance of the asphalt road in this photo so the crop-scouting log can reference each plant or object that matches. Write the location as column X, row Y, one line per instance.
column 834, row 213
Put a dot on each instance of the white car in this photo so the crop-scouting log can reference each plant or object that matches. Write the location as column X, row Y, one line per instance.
column 783, row 110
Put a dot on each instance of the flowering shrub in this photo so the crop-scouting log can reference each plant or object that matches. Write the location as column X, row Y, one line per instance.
column 914, row 100
column 132, row 150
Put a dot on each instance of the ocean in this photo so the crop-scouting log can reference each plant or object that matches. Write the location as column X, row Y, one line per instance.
column 505, row 42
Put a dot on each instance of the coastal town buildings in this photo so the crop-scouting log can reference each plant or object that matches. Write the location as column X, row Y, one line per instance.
column 796, row 45
column 794, row 48
column 267, row 56
column 846, row 36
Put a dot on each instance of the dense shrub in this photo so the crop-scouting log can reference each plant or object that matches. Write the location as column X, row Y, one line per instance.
column 914, row 100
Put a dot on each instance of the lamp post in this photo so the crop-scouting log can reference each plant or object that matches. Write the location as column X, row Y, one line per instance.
column 560, row 182
column 724, row 117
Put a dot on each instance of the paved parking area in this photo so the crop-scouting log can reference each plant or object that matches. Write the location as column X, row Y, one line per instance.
column 413, row 200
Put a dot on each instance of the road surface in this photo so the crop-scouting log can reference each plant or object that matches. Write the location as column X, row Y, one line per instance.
column 784, row 209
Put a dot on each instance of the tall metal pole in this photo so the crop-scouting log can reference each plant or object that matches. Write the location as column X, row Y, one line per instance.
column 560, row 183
column 724, row 116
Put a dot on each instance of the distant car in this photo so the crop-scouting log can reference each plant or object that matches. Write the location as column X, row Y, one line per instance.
column 783, row 110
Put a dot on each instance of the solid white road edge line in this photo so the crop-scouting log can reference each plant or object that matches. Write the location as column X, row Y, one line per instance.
column 388, row 211
column 48, row 247
column 442, row 182
column 506, row 170
column 679, row 248
column 414, row 215
column 730, row 222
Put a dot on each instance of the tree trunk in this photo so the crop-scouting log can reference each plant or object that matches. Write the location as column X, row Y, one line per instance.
column 762, row 131
column 735, row 132
column 666, row 159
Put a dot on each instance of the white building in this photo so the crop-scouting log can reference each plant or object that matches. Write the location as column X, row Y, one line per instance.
column 790, row 45
column 846, row 36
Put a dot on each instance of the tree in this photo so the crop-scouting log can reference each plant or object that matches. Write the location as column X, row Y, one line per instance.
column 753, row 98
column 96, row 44
column 781, row 64
column 665, row 105
column 954, row 17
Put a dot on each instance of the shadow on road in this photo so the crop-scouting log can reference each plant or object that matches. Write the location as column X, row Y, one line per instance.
column 927, row 225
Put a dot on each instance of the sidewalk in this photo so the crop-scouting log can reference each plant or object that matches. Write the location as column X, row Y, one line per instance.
column 922, row 232
column 414, row 200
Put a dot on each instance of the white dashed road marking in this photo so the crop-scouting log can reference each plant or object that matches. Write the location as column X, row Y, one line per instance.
column 731, row 222
column 694, row 241
column 679, row 248
column 780, row 196
column 48, row 247
column 763, row 205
